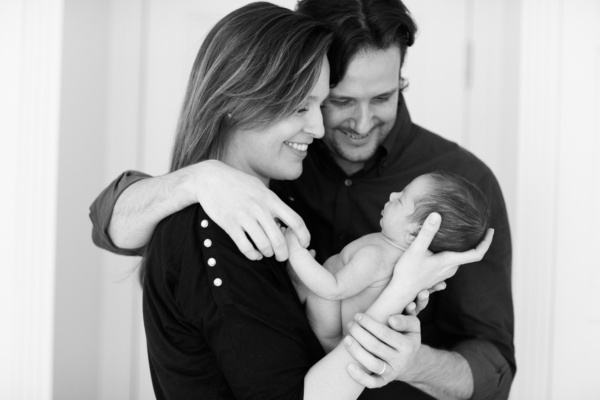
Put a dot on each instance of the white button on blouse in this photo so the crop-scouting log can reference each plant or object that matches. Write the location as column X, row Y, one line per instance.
column 211, row 262
column 207, row 243
column 218, row 282
column 204, row 223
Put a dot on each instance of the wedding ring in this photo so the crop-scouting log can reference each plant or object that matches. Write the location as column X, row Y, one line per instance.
column 383, row 370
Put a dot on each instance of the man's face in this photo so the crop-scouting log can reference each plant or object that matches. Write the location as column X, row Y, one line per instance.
column 361, row 109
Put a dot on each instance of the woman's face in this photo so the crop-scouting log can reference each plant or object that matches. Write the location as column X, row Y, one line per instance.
column 277, row 152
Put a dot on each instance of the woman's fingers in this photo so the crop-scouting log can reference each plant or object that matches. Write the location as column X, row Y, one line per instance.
column 473, row 255
column 426, row 234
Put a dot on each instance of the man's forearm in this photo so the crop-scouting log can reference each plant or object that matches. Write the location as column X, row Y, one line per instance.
column 442, row 374
column 144, row 204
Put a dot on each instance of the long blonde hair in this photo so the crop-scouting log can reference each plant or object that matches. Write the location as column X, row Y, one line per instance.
column 255, row 67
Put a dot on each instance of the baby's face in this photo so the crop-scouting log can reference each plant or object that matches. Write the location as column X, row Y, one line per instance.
column 397, row 212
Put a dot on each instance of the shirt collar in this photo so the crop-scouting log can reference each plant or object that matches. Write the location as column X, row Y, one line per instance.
column 400, row 132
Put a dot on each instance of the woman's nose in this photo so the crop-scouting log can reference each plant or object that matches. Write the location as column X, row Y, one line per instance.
column 314, row 125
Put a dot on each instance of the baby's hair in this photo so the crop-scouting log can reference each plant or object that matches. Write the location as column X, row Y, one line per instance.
column 464, row 208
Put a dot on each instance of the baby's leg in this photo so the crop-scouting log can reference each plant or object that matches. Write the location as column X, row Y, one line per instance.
column 325, row 320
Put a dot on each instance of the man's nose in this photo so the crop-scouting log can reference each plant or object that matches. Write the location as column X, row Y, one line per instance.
column 364, row 119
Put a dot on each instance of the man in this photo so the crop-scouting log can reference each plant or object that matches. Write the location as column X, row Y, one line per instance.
column 370, row 149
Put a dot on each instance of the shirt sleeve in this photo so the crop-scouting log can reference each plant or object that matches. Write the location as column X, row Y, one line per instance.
column 102, row 208
column 492, row 376
column 476, row 309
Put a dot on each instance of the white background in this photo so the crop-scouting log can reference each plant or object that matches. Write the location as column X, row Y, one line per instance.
column 90, row 88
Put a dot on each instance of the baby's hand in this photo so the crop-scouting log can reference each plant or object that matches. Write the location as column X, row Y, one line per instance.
column 291, row 240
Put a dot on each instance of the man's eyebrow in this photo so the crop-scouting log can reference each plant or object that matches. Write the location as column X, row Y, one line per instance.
column 388, row 93
column 342, row 97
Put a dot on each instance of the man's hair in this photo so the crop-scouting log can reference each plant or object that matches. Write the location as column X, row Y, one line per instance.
column 360, row 25
column 464, row 208
column 255, row 67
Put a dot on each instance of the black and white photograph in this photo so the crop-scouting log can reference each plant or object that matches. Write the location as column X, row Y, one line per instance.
column 300, row 199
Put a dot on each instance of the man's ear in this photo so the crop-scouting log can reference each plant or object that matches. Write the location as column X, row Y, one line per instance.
column 412, row 230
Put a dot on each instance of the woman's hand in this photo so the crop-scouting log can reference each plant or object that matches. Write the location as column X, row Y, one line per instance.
column 241, row 204
column 418, row 268
column 387, row 354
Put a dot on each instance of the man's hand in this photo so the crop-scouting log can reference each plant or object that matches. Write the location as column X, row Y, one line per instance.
column 242, row 205
column 395, row 353
column 387, row 353
column 422, row 299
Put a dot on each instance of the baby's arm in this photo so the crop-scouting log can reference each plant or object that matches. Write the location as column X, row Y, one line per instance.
column 325, row 318
column 348, row 280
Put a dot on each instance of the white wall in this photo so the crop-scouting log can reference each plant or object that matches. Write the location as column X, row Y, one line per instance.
column 556, row 271
column 31, row 42
column 461, row 70
column 81, row 166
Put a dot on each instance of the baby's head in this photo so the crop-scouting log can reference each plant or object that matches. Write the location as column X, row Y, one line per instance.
column 464, row 209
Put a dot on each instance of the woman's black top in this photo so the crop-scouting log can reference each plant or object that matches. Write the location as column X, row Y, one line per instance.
column 219, row 326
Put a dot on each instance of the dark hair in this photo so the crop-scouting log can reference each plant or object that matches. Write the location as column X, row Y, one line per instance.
column 464, row 208
column 360, row 25
column 256, row 66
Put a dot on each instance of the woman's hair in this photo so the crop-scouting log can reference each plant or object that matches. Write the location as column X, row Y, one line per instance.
column 255, row 67
column 360, row 25
column 464, row 208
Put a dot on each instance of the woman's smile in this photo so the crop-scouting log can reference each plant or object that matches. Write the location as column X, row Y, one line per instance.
column 301, row 147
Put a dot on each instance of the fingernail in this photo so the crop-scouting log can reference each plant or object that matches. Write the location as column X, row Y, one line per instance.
column 426, row 295
column 348, row 341
column 434, row 219
column 352, row 368
column 349, row 324
column 358, row 317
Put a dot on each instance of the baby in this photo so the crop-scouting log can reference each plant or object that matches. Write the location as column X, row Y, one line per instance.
column 349, row 282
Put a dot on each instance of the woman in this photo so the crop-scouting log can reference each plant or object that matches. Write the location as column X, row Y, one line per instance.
column 217, row 324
